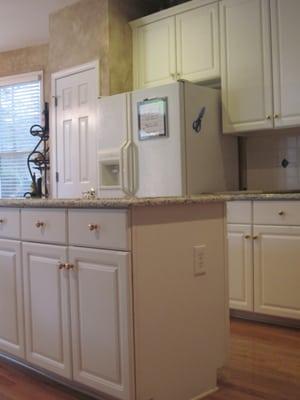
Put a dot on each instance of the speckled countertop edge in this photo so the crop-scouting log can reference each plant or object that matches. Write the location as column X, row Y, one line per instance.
column 145, row 202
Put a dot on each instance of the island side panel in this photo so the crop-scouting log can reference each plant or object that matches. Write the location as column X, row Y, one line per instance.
column 180, row 320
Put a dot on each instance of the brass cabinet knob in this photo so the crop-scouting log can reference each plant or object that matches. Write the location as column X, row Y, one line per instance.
column 247, row 237
column 268, row 116
column 69, row 266
column 281, row 213
column 276, row 116
column 1, row 220
column 40, row 224
column 93, row 227
column 61, row 265
column 255, row 237
column 174, row 75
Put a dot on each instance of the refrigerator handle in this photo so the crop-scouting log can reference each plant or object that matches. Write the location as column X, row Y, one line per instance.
column 135, row 168
column 125, row 167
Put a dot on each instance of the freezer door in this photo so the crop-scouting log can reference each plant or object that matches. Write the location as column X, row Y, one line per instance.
column 114, row 172
column 158, row 160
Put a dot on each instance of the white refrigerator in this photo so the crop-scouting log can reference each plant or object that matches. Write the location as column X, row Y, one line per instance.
column 164, row 141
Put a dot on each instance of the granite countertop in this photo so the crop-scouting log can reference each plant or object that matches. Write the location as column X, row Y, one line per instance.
column 144, row 202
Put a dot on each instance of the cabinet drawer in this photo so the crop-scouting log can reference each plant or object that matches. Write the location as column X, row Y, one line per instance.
column 106, row 229
column 48, row 226
column 276, row 212
column 9, row 223
column 239, row 212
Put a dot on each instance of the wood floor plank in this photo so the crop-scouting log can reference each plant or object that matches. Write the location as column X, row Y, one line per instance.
column 264, row 365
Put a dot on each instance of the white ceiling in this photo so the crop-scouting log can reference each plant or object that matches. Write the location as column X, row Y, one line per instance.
column 26, row 22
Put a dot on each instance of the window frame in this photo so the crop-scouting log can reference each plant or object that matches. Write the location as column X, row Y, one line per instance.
column 23, row 78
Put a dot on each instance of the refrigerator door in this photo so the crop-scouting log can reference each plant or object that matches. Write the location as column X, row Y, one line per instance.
column 114, row 146
column 158, row 135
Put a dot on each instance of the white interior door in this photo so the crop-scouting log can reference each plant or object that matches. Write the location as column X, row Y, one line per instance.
column 101, row 318
column 11, row 298
column 76, row 96
column 286, row 61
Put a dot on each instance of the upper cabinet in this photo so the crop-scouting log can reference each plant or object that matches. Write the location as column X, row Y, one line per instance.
column 259, row 64
column 286, row 61
column 178, row 43
column 246, row 65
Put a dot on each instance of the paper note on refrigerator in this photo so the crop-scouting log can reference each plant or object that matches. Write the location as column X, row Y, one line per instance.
column 152, row 118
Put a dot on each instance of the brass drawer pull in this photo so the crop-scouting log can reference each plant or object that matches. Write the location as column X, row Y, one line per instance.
column 93, row 227
column 61, row 265
column 40, row 224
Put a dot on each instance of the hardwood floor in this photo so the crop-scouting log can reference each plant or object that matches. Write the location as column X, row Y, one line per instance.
column 264, row 365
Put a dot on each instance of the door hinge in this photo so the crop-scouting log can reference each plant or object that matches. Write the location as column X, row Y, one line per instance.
column 57, row 177
column 55, row 100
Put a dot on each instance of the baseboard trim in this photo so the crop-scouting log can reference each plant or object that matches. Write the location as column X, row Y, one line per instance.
column 265, row 319
column 203, row 395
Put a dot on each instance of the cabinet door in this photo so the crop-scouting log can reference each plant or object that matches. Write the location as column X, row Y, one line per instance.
column 240, row 264
column 11, row 299
column 155, row 57
column 197, row 40
column 277, row 270
column 246, row 65
column 46, row 293
column 286, row 61
column 101, row 320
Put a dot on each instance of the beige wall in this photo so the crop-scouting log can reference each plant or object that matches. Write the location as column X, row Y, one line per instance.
column 26, row 60
column 83, row 32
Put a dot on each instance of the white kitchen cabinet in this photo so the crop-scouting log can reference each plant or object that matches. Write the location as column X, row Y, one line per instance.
column 277, row 270
column 46, row 298
column 286, row 61
column 101, row 320
column 246, row 65
column 240, row 264
column 155, row 62
column 11, row 298
column 179, row 43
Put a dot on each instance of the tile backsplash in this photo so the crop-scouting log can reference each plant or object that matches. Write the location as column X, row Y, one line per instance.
column 273, row 162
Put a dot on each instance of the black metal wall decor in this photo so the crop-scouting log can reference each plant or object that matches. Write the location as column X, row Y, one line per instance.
column 38, row 159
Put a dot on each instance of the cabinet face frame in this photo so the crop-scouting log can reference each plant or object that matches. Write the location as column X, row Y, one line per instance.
column 260, row 303
column 265, row 119
column 245, row 284
column 12, row 251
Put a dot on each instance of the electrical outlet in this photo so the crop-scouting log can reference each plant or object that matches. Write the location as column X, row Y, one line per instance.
column 199, row 260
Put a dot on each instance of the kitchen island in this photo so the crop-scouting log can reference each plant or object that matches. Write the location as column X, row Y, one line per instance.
column 120, row 298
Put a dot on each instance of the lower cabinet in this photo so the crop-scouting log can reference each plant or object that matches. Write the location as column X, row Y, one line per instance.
column 240, row 267
column 11, row 298
column 100, row 283
column 277, row 270
column 46, row 298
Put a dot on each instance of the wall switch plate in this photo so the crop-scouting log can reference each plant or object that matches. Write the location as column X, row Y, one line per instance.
column 199, row 260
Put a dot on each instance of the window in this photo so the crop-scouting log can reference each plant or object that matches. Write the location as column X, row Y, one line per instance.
column 20, row 108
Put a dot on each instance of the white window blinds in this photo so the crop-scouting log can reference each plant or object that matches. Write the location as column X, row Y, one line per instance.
column 20, row 108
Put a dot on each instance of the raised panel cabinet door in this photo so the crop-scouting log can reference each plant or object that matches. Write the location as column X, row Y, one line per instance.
column 11, row 299
column 46, row 298
column 246, row 65
column 76, row 133
column 277, row 270
column 197, row 40
column 101, row 320
column 155, row 53
column 240, row 264
column 286, row 61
